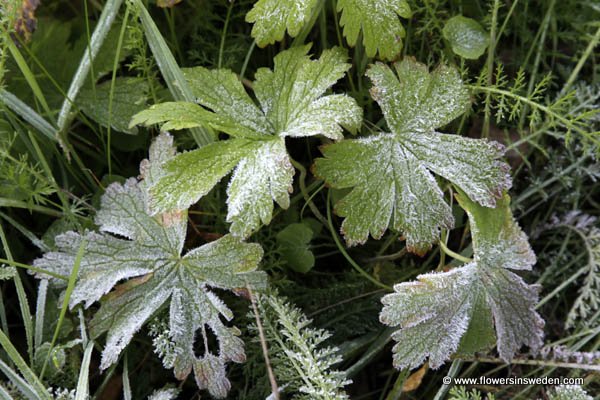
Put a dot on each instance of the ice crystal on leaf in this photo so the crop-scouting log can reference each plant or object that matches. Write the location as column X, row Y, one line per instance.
column 390, row 172
column 467, row 309
column 381, row 28
column 291, row 104
column 272, row 18
column 146, row 251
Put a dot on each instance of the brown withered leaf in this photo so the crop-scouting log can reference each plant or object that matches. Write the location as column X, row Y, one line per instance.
column 26, row 22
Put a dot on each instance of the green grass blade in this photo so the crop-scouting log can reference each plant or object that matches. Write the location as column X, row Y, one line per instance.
column 25, row 232
column 29, row 76
column 34, row 269
column 4, row 202
column 4, row 395
column 171, row 72
column 22, row 296
column 83, row 387
column 26, row 389
column 65, row 304
column 40, row 311
column 29, row 376
column 126, row 384
column 107, row 17
column 28, row 114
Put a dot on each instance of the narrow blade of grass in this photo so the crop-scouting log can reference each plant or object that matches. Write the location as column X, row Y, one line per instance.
column 126, row 384
column 65, row 305
column 107, row 17
column 22, row 296
column 29, row 76
column 83, row 386
column 26, row 389
column 40, row 311
column 29, row 376
column 173, row 76
column 28, row 114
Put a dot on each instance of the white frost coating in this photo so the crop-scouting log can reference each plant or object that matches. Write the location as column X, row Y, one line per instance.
column 151, row 255
column 258, row 180
column 389, row 173
column 434, row 314
column 378, row 20
column 291, row 102
column 390, row 187
column 272, row 18
column 164, row 394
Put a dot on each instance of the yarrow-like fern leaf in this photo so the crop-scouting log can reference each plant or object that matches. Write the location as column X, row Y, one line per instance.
column 291, row 104
column 457, row 311
column 390, row 172
column 146, row 250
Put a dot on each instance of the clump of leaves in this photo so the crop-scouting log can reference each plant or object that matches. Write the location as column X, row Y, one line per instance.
column 390, row 172
column 377, row 20
column 146, row 251
column 457, row 311
column 291, row 104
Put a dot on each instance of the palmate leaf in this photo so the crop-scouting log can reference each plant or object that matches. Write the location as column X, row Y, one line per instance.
column 291, row 104
column 271, row 19
column 469, row 308
column 378, row 20
column 146, row 250
column 390, row 172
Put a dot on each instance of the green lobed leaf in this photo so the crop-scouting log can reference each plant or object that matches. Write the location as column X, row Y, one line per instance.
column 146, row 252
column 466, row 36
column 271, row 19
column 378, row 21
column 293, row 241
column 129, row 98
column 459, row 310
column 390, row 173
column 291, row 103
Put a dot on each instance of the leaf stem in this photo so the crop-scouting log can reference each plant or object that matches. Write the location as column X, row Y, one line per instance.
column 263, row 345
column 452, row 254
column 302, row 184
column 34, row 269
column 345, row 253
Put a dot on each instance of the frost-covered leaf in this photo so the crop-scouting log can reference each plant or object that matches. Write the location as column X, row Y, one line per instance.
column 291, row 103
column 469, row 308
column 378, row 20
column 466, row 36
column 271, row 18
column 390, row 173
column 145, row 251
column 129, row 97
